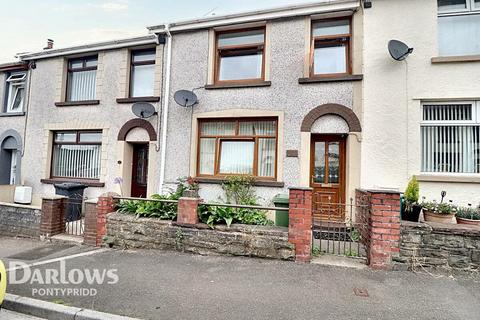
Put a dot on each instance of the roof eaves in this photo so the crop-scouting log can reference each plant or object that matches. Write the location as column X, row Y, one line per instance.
column 105, row 45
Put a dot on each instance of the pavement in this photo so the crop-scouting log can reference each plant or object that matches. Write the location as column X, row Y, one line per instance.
column 9, row 315
column 171, row 285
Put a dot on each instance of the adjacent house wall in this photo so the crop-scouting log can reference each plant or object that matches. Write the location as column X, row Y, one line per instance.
column 48, row 87
column 393, row 92
column 285, row 97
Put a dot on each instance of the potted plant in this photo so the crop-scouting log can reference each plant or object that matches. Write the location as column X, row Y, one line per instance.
column 411, row 208
column 188, row 187
column 439, row 212
column 468, row 215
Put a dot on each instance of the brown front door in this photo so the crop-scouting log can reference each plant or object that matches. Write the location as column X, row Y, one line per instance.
column 140, row 170
column 328, row 177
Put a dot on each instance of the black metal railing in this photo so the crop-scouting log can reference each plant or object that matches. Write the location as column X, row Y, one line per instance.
column 337, row 229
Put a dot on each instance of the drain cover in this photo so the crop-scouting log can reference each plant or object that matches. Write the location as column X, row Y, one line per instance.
column 360, row 292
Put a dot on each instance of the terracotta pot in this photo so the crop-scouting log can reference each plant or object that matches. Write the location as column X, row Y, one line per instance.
column 430, row 216
column 468, row 221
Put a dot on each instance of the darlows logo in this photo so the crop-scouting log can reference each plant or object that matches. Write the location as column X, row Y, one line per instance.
column 22, row 273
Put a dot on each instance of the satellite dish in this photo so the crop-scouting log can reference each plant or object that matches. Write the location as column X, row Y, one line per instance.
column 143, row 110
column 398, row 50
column 185, row 98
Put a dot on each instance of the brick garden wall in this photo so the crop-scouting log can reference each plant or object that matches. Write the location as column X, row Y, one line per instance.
column 440, row 247
column 126, row 231
column 19, row 220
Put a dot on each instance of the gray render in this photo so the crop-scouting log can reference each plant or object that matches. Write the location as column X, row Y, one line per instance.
column 190, row 52
column 43, row 111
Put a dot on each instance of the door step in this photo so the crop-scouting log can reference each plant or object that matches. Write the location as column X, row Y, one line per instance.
column 67, row 238
column 339, row 261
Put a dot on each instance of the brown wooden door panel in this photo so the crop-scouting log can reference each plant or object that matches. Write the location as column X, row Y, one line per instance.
column 139, row 170
column 328, row 176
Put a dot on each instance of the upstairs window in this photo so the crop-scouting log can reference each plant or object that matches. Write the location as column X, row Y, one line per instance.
column 15, row 92
column 81, row 80
column 458, row 27
column 450, row 137
column 240, row 56
column 232, row 146
column 142, row 71
column 76, row 154
column 330, row 48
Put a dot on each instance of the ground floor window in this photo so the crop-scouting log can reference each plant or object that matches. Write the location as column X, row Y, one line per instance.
column 237, row 146
column 76, row 154
column 450, row 137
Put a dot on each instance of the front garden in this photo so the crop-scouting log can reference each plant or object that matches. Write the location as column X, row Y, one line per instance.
column 440, row 211
column 235, row 206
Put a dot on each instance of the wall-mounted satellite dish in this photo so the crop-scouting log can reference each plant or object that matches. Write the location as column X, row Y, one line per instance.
column 143, row 110
column 185, row 98
column 398, row 50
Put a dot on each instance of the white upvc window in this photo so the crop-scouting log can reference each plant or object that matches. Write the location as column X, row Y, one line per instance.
column 15, row 91
column 450, row 137
column 458, row 27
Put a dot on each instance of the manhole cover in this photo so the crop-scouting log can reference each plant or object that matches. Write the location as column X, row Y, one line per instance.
column 360, row 292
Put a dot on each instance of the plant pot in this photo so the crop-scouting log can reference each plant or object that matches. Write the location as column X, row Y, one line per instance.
column 190, row 194
column 412, row 214
column 430, row 216
column 468, row 221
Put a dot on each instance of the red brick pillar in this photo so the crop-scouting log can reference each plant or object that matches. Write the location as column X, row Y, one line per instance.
column 90, row 230
column 300, row 222
column 105, row 205
column 384, row 229
column 188, row 210
column 52, row 221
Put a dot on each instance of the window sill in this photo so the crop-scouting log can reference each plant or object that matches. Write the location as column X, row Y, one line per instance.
column 453, row 59
column 258, row 183
column 12, row 114
column 89, row 183
column 238, row 85
column 138, row 99
column 352, row 77
column 77, row 103
column 458, row 178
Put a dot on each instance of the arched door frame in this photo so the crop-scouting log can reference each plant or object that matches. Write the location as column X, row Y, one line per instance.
column 4, row 167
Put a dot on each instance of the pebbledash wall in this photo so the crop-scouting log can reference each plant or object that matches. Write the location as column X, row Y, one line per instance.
column 285, row 98
column 108, row 116
column 19, row 220
column 394, row 91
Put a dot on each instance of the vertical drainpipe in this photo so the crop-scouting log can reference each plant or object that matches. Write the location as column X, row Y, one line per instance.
column 166, row 101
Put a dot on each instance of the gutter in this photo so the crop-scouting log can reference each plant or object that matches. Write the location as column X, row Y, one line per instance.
column 260, row 15
column 107, row 45
column 166, row 101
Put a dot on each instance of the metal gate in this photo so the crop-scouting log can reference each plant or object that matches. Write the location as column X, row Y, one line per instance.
column 343, row 238
column 74, row 216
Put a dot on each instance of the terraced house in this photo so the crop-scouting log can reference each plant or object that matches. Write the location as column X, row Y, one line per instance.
column 305, row 95
column 81, row 128
column 279, row 98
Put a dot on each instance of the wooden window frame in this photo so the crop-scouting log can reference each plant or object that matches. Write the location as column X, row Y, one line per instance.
column 251, row 47
column 73, row 70
column 139, row 63
column 77, row 142
column 332, row 40
column 236, row 137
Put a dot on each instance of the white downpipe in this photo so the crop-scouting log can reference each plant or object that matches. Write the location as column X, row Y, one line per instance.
column 166, row 101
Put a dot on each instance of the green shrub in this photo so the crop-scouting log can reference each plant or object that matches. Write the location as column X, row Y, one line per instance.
column 468, row 213
column 412, row 192
column 240, row 190
column 212, row 215
column 440, row 208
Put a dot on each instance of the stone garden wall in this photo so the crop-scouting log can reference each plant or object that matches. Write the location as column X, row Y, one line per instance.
column 19, row 220
column 127, row 231
column 439, row 247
